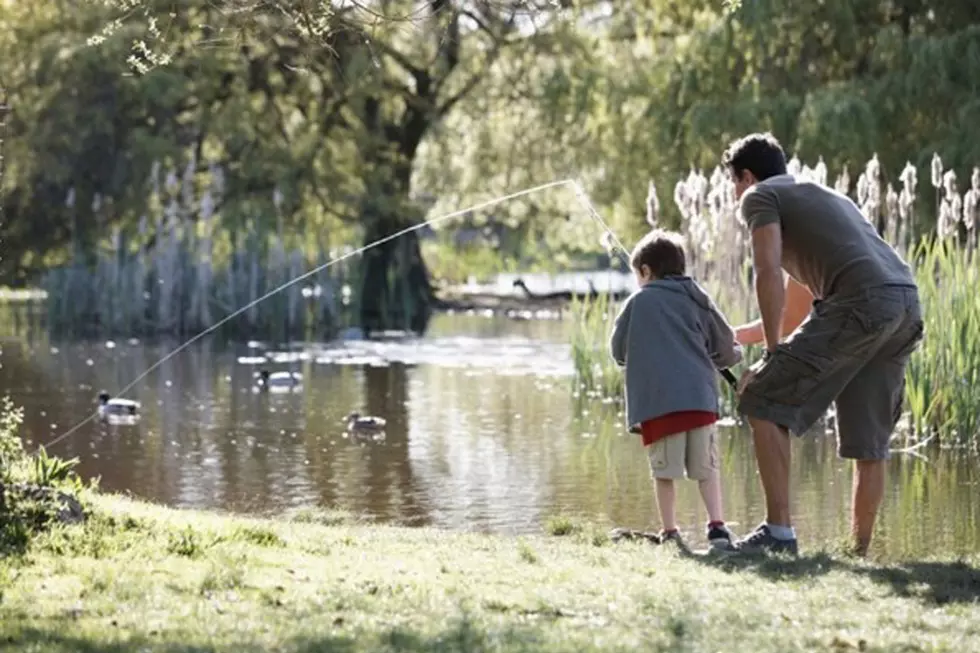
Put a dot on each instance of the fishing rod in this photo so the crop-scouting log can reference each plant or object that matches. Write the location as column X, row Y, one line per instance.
column 580, row 194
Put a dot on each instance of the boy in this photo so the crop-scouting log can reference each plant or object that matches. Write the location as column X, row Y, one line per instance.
column 671, row 339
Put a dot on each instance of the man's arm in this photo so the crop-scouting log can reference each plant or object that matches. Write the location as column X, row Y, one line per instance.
column 783, row 307
column 770, row 291
column 797, row 306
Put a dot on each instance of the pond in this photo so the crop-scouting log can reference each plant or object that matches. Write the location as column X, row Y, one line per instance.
column 485, row 432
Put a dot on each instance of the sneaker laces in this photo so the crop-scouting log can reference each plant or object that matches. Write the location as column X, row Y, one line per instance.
column 760, row 535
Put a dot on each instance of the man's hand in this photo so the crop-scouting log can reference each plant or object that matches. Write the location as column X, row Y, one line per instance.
column 749, row 334
column 799, row 299
column 749, row 374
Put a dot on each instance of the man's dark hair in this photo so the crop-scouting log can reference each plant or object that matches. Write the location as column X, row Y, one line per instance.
column 661, row 251
column 760, row 154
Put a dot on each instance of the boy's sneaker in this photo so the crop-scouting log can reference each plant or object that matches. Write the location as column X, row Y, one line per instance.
column 719, row 537
column 761, row 540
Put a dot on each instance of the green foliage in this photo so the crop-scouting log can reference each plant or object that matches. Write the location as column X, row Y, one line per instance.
column 34, row 488
column 943, row 375
column 50, row 471
column 596, row 373
column 12, row 452
column 562, row 525
column 659, row 87
column 311, row 115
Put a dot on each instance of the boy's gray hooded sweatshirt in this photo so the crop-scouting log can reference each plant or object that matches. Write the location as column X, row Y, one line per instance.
column 672, row 339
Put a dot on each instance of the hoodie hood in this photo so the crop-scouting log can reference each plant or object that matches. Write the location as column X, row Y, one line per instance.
column 682, row 285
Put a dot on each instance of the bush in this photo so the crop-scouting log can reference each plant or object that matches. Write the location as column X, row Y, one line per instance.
column 35, row 489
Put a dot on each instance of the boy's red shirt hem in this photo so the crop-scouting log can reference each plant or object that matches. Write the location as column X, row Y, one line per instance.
column 659, row 428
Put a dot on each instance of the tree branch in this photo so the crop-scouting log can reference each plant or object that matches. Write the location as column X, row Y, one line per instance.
column 499, row 41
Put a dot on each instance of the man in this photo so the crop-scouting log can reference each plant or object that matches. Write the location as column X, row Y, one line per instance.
column 852, row 350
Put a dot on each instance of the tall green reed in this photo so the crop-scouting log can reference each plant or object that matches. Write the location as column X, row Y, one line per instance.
column 944, row 375
column 596, row 373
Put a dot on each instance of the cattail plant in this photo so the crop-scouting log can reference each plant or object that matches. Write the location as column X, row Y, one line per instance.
column 971, row 209
column 950, row 208
column 906, row 206
column 653, row 205
column 843, row 182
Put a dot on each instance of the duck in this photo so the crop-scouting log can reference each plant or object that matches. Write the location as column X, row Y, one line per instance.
column 365, row 424
column 279, row 379
column 116, row 407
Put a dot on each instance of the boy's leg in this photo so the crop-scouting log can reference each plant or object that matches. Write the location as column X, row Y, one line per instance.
column 710, row 489
column 702, row 466
column 666, row 502
column 667, row 458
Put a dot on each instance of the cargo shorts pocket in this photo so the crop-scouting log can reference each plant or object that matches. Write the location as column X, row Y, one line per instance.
column 787, row 379
column 855, row 332
column 915, row 335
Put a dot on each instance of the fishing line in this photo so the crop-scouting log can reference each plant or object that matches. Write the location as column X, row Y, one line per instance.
column 580, row 195
column 583, row 198
column 360, row 250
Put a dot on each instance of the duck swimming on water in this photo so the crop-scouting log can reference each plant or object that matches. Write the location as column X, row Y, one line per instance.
column 365, row 424
column 279, row 379
column 116, row 407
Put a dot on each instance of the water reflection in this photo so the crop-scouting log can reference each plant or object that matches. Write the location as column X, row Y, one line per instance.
column 483, row 432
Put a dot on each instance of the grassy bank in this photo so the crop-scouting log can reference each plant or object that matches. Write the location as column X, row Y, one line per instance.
column 138, row 577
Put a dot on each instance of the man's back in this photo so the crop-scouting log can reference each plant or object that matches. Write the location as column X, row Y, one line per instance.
column 828, row 245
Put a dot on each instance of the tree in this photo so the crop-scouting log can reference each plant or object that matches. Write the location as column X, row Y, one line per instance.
column 329, row 102
column 660, row 86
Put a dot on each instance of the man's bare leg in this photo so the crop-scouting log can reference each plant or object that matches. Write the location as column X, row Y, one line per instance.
column 772, row 453
column 869, row 489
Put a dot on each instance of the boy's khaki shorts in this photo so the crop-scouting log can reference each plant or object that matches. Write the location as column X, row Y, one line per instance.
column 695, row 451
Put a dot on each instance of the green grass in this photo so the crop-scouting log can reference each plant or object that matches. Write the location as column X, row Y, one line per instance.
column 144, row 578
column 596, row 373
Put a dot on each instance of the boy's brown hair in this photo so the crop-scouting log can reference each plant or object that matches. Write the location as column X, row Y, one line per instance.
column 661, row 251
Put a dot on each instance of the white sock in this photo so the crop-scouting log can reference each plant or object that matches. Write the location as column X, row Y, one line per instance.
column 781, row 532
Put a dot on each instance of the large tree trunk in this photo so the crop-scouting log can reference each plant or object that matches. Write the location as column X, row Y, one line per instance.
column 396, row 292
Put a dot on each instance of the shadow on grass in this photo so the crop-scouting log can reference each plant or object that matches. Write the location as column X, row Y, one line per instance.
column 461, row 636
column 938, row 583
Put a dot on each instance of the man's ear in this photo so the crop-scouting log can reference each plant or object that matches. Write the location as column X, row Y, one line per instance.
column 747, row 177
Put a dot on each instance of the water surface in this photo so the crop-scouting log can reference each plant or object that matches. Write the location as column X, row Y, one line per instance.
column 485, row 432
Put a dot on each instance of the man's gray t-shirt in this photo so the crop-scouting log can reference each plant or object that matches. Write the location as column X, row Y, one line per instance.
column 828, row 245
